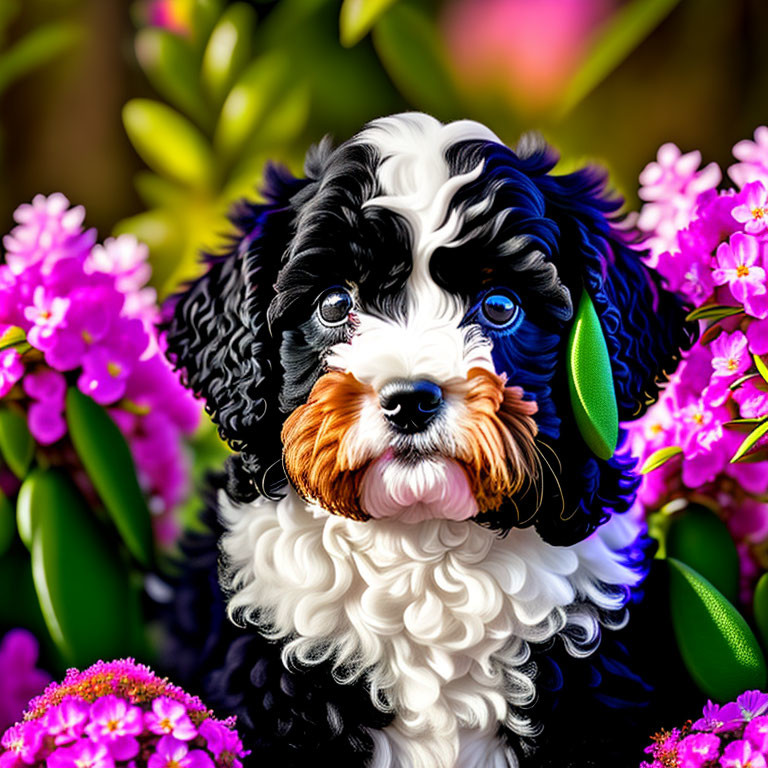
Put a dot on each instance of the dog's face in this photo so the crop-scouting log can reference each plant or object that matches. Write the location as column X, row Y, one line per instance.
column 389, row 334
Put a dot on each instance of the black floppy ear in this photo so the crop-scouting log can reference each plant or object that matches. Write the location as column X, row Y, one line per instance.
column 218, row 337
column 642, row 330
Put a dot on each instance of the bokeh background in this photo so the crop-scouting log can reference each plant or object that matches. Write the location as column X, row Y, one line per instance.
column 223, row 86
column 156, row 115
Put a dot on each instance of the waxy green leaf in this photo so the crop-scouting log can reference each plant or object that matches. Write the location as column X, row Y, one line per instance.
column 108, row 462
column 16, row 443
column 760, row 609
column 590, row 382
column 358, row 16
column 719, row 649
column 90, row 608
column 700, row 539
column 714, row 312
column 762, row 368
column 659, row 458
column 750, row 441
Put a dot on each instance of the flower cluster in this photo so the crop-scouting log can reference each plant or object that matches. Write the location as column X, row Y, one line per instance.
column 711, row 247
column 19, row 673
column 76, row 312
column 734, row 735
column 119, row 713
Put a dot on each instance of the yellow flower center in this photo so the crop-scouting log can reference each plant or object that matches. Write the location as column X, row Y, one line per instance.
column 113, row 725
column 732, row 364
column 758, row 213
column 45, row 314
column 87, row 338
column 742, row 270
column 656, row 429
column 114, row 370
column 698, row 418
column 166, row 725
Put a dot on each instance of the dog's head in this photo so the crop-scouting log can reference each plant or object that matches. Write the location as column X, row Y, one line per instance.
column 391, row 333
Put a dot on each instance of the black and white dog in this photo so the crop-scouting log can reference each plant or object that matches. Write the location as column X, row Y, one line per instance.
column 413, row 528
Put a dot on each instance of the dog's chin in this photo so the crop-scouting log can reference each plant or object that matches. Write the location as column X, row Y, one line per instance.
column 412, row 491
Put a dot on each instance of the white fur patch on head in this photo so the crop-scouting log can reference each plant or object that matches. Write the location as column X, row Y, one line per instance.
column 437, row 617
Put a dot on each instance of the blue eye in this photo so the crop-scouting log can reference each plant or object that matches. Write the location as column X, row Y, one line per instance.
column 499, row 308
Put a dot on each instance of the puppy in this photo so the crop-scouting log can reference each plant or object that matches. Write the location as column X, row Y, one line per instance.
column 414, row 526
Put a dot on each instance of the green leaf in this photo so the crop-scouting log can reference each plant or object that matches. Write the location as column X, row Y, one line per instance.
column 16, row 443
column 414, row 57
column 13, row 337
column 249, row 102
column 762, row 368
column 659, row 458
column 357, row 17
column 39, row 47
column 24, row 510
column 700, row 539
column 7, row 524
column 625, row 30
column 713, row 312
column 171, row 66
column 108, row 462
column 84, row 590
column 716, row 644
column 168, row 142
column 590, row 382
column 228, row 50
column 760, row 607
column 750, row 441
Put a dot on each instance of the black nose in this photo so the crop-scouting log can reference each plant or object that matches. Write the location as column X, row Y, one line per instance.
column 410, row 405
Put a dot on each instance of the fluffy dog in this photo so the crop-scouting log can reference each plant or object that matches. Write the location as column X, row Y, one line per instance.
column 413, row 526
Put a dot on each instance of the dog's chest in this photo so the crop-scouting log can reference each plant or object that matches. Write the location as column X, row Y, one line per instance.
column 436, row 617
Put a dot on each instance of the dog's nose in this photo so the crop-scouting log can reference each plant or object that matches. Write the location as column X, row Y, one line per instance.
column 410, row 405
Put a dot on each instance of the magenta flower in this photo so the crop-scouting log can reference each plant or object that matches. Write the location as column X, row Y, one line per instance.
column 754, row 159
column 697, row 749
column 104, row 375
column 740, row 754
column 125, row 258
column 730, row 356
column 752, row 398
column 170, row 717
column 173, row 753
column 24, row 743
column 752, row 704
column 754, row 213
column 115, row 722
column 739, row 267
column 717, row 719
column 46, row 313
column 84, row 753
column 66, row 721
column 20, row 678
column 11, row 369
column 48, row 231
column 756, row 733
column 220, row 740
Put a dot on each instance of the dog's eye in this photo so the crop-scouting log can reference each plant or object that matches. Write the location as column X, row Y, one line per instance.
column 334, row 306
column 499, row 308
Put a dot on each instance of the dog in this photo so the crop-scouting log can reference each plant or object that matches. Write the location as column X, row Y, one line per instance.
column 414, row 526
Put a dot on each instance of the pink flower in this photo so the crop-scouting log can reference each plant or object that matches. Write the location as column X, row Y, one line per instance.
column 749, row 521
column 717, row 719
column 172, row 753
column 82, row 754
column 11, row 369
column 46, row 386
column 739, row 268
column 24, row 741
column 115, row 722
column 66, row 721
column 220, row 739
column 740, row 754
column 20, row 678
column 754, row 213
column 104, row 375
column 730, row 357
column 125, row 258
column 170, row 717
column 756, row 733
column 757, row 333
column 754, row 157
column 671, row 186
column 47, row 313
column 752, row 398
column 697, row 749
column 48, row 231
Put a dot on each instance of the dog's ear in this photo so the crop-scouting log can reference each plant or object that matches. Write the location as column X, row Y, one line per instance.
column 642, row 330
column 218, row 338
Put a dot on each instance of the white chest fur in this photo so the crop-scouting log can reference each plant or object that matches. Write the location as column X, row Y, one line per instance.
column 436, row 616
